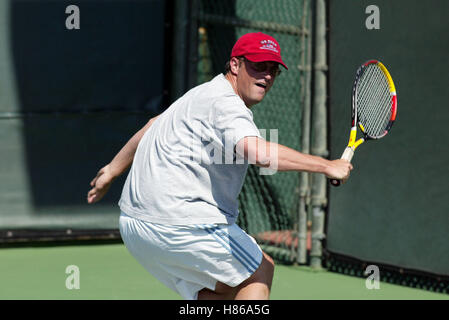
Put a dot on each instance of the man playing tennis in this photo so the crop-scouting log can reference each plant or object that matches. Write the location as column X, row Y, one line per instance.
column 180, row 201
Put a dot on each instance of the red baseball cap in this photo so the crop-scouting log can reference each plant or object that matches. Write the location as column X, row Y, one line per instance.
column 258, row 47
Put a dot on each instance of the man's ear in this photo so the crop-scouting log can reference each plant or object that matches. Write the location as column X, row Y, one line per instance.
column 234, row 65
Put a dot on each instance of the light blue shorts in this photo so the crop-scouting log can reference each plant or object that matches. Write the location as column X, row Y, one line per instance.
column 192, row 257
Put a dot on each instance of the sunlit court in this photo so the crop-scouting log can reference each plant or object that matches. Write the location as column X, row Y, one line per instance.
column 108, row 271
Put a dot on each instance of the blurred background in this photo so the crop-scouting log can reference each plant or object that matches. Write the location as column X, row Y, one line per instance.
column 71, row 98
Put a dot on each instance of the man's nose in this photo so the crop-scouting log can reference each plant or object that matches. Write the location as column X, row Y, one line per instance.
column 268, row 75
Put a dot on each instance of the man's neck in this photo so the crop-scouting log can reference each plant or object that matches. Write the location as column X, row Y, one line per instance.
column 233, row 81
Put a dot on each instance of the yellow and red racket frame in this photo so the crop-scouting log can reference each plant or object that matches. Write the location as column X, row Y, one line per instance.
column 353, row 143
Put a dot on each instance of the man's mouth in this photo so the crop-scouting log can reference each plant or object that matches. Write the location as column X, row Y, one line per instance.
column 262, row 85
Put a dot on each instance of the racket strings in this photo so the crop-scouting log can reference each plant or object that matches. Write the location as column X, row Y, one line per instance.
column 379, row 111
column 372, row 96
column 373, row 101
column 367, row 94
column 379, row 96
column 384, row 100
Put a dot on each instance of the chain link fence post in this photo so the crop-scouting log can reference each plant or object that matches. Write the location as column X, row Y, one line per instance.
column 319, row 139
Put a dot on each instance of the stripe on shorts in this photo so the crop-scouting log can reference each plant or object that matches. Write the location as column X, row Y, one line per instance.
column 230, row 244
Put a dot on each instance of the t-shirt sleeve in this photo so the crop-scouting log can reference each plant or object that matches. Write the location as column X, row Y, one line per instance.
column 234, row 121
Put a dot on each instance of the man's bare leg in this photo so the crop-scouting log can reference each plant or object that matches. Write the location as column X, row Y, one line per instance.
column 256, row 287
column 222, row 292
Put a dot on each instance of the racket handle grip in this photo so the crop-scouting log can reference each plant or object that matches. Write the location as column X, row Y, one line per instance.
column 347, row 155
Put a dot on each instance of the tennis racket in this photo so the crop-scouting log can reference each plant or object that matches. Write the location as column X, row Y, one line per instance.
column 374, row 106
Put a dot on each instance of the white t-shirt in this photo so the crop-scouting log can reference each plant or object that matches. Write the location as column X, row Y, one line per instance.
column 185, row 170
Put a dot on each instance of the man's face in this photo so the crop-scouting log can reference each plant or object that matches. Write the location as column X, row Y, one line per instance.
column 254, row 79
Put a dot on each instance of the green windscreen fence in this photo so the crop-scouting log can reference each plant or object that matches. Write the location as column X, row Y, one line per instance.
column 268, row 203
column 69, row 100
column 394, row 209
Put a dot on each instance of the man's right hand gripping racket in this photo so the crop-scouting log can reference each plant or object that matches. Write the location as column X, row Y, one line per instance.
column 374, row 106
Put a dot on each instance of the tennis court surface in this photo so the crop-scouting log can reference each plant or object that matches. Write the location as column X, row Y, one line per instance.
column 109, row 272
